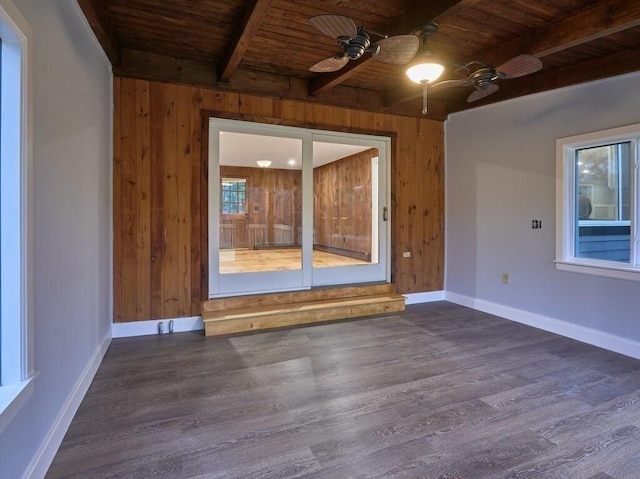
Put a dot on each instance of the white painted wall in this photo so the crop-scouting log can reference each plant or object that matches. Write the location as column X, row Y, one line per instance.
column 72, row 229
column 500, row 174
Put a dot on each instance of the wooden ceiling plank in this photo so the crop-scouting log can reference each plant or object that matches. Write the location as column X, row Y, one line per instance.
column 416, row 13
column 99, row 22
column 253, row 13
column 596, row 21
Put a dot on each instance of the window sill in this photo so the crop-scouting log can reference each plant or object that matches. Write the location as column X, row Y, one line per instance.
column 627, row 273
column 12, row 399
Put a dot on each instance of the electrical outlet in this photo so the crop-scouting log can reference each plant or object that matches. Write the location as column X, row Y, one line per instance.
column 505, row 278
column 406, row 254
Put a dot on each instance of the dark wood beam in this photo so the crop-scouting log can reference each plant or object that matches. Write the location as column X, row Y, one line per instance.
column 596, row 21
column 156, row 67
column 98, row 19
column 252, row 15
column 326, row 81
column 161, row 68
column 417, row 13
column 627, row 61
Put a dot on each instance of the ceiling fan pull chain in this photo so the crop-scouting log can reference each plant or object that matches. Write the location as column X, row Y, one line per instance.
column 425, row 87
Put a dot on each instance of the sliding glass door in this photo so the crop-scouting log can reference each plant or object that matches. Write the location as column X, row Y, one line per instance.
column 291, row 208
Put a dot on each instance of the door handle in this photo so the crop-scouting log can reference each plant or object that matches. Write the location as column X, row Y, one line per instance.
column 385, row 214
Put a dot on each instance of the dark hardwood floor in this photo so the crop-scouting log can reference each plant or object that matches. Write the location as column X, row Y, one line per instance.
column 438, row 391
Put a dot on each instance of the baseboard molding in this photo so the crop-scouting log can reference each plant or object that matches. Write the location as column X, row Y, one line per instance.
column 430, row 297
column 594, row 337
column 145, row 328
column 47, row 451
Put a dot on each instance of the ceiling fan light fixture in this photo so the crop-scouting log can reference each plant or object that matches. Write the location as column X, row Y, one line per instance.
column 264, row 163
column 425, row 72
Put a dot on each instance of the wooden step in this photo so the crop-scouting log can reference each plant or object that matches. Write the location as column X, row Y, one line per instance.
column 233, row 315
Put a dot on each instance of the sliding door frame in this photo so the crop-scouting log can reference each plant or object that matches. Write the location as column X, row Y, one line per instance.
column 239, row 284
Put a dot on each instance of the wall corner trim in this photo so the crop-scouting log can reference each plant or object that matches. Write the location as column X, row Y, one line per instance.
column 617, row 344
column 49, row 447
column 145, row 328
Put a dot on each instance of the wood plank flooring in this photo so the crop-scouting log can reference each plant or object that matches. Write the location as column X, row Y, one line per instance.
column 438, row 391
column 274, row 259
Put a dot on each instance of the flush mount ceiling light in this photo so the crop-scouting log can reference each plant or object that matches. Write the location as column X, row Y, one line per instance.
column 425, row 69
column 264, row 163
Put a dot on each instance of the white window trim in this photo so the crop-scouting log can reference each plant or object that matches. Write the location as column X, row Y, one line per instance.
column 17, row 373
column 565, row 210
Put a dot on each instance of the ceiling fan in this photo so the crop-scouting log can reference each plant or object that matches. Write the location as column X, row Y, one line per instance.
column 356, row 41
column 483, row 76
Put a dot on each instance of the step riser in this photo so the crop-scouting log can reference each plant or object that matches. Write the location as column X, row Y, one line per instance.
column 226, row 304
column 292, row 318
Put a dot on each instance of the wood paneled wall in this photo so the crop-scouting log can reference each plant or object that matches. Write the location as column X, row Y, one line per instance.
column 342, row 204
column 274, row 197
column 159, row 190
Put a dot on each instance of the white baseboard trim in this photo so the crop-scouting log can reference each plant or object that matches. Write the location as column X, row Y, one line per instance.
column 47, row 450
column 144, row 328
column 415, row 298
column 594, row 337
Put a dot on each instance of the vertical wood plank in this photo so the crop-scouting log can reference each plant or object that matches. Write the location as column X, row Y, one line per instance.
column 204, row 203
column 156, row 120
column 209, row 99
column 196, row 173
column 171, row 276
column 143, row 223
column 267, row 106
column 184, row 201
column 117, row 201
column 129, row 202
column 231, row 103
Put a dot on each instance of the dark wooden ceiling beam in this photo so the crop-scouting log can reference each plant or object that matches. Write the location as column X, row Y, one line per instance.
column 99, row 22
column 416, row 14
column 419, row 12
column 252, row 15
column 596, row 21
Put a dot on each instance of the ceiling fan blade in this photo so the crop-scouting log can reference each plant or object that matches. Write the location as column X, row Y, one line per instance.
column 335, row 25
column 330, row 64
column 479, row 94
column 519, row 66
column 398, row 49
column 450, row 83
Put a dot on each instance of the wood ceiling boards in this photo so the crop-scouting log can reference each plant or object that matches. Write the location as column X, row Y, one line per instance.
column 267, row 46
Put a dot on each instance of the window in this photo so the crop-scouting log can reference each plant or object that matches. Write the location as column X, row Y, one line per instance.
column 16, row 362
column 597, row 209
column 234, row 194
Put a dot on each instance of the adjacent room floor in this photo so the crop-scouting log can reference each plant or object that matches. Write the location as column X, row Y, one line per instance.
column 437, row 391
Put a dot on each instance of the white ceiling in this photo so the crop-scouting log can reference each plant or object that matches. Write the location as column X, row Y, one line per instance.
column 240, row 149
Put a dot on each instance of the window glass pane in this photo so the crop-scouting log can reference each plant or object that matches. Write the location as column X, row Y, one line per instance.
column 603, row 184
column 233, row 195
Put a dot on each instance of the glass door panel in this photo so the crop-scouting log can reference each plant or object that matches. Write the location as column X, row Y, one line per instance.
column 346, row 213
column 259, row 211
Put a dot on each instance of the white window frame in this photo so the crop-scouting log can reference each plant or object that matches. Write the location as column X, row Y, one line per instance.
column 565, row 205
column 16, row 321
